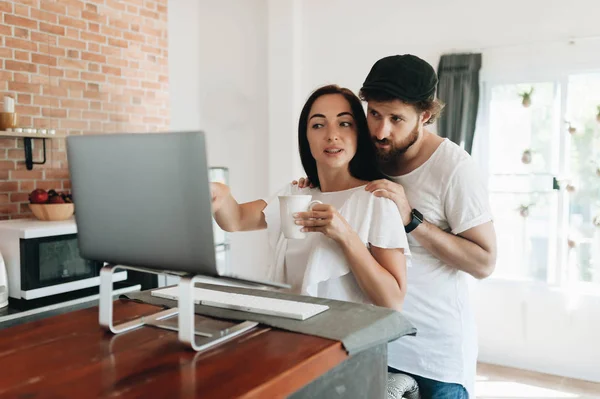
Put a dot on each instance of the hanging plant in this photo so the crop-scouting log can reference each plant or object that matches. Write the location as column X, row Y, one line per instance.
column 598, row 171
column 572, row 243
column 596, row 220
column 571, row 129
column 524, row 210
column 527, row 156
column 571, row 188
column 598, row 114
column 526, row 98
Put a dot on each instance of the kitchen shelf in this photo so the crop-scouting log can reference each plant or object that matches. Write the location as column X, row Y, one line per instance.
column 31, row 135
column 27, row 137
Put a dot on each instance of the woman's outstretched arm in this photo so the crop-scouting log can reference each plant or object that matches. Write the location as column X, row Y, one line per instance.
column 232, row 216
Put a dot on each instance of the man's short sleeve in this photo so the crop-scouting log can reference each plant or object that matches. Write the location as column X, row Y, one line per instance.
column 466, row 202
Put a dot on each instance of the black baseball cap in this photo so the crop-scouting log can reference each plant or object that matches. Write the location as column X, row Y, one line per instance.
column 406, row 77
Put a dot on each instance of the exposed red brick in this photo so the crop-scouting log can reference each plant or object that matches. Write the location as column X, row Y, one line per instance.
column 54, row 112
column 72, row 22
column 27, row 186
column 40, row 15
column 111, row 70
column 20, row 44
column 24, row 98
column 111, row 50
column 149, row 14
column 27, row 110
column 7, row 165
column 93, row 37
column 54, row 29
column 24, row 87
column 21, row 10
column 95, row 116
column 118, row 42
column 72, row 43
column 116, row 5
column 93, row 16
column 71, row 74
column 117, row 61
column 91, row 7
column 45, row 49
column 71, row 124
column 49, row 184
column 21, row 32
column 5, row 30
column 95, row 47
column 20, row 66
column 6, row 7
column 5, row 52
column 56, row 6
column 19, row 197
column 93, row 57
column 94, row 77
column 45, row 38
column 71, row 63
column 8, row 209
column 111, row 31
column 72, row 104
column 11, row 19
column 43, row 59
column 57, row 174
column 25, row 175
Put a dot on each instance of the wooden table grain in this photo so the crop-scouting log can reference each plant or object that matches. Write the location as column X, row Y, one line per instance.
column 70, row 356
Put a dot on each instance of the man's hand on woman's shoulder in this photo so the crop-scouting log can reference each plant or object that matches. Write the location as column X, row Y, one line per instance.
column 303, row 182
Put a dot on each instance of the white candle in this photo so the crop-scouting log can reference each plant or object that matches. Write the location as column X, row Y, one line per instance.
column 9, row 104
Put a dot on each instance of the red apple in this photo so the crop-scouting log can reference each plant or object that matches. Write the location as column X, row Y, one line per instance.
column 38, row 196
column 57, row 199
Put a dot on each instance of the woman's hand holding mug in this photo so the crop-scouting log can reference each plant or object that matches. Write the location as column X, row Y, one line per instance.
column 325, row 219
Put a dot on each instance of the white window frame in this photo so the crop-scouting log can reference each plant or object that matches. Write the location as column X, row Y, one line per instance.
column 557, row 271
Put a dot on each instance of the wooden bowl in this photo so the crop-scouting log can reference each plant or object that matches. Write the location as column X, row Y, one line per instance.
column 8, row 120
column 52, row 212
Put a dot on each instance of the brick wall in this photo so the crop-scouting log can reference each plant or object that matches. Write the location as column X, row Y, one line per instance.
column 97, row 66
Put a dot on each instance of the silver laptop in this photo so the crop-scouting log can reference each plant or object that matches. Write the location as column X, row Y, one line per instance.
column 143, row 199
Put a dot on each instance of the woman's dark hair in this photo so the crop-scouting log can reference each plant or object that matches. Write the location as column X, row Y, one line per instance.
column 363, row 165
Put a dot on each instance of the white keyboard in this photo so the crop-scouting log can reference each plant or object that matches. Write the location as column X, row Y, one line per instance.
column 248, row 303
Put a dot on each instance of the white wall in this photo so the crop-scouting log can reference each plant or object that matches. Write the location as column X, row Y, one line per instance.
column 343, row 38
column 218, row 83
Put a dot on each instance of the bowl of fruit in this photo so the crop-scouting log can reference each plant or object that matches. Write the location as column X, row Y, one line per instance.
column 51, row 205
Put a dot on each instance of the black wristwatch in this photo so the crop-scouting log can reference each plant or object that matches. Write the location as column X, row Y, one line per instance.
column 417, row 219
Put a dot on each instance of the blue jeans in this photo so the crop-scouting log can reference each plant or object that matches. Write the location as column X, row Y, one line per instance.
column 432, row 389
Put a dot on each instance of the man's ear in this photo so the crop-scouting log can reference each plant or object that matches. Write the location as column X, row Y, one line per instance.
column 425, row 116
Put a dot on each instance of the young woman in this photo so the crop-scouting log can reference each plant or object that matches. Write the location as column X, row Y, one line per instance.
column 356, row 248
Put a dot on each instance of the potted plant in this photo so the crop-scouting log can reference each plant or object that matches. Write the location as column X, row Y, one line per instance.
column 526, row 97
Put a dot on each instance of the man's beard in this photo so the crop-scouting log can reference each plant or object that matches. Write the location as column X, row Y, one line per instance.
column 394, row 153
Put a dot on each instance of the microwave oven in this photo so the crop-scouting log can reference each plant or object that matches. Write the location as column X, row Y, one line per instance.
column 43, row 263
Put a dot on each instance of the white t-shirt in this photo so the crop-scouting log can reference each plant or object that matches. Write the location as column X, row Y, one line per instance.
column 316, row 265
column 449, row 192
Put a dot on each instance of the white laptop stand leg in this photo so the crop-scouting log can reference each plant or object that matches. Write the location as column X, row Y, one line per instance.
column 185, row 309
column 106, row 303
column 187, row 333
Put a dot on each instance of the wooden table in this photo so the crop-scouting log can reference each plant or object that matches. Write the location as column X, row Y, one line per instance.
column 70, row 356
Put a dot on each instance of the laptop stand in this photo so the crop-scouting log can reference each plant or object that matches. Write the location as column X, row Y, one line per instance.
column 184, row 310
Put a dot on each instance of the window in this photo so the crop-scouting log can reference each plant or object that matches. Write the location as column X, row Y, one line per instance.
column 543, row 155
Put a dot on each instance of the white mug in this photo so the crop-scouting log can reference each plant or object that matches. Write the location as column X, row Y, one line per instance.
column 290, row 204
